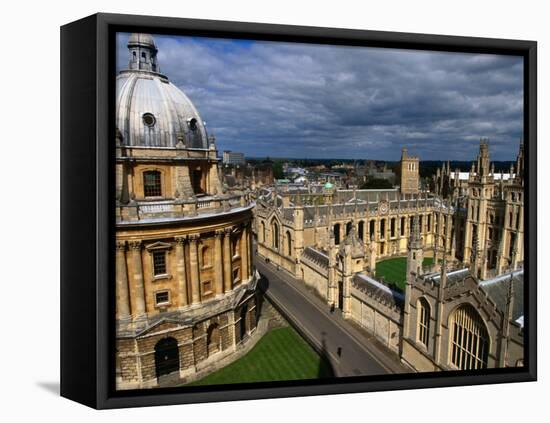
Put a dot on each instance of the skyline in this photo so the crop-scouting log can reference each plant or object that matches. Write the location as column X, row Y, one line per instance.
column 335, row 102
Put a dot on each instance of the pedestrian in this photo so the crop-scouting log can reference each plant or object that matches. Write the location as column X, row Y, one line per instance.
column 332, row 308
column 339, row 352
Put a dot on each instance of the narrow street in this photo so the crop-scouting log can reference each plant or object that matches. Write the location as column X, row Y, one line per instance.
column 350, row 350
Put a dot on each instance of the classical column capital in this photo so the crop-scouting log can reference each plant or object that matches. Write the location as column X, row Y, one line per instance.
column 228, row 231
column 135, row 245
column 194, row 237
column 121, row 245
column 219, row 232
column 181, row 239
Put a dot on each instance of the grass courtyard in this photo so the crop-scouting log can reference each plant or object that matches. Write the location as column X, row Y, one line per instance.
column 280, row 355
column 395, row 270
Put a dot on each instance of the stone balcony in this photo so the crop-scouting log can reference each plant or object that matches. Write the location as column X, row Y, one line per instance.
column 146, row 211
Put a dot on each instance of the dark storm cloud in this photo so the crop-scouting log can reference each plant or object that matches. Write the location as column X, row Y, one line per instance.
column 299, row 100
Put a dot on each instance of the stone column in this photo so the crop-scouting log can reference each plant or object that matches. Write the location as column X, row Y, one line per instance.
column 194, row 268
column 139, row 288
column 244, row 254
column 180, row 266
column 218, row 264
column 346, row 309
column 122, row 297
column 227, row 264
column 250, row 251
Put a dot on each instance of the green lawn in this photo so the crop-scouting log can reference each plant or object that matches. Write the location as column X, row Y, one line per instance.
column 280, row 355
column 395, row 270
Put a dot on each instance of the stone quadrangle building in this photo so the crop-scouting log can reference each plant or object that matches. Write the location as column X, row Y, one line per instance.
column 465, row 311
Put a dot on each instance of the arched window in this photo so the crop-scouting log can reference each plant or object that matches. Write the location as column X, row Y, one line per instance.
column 263, row 232
column 372, row 223
column 469, row 341
column 336, row 230
column 361, row 230
column 402, row 226
column 206, row 257
column 288, row 244
column 382, row 228
column 392, row 227
column 152, row 183
column 275, row 233
column 213, row 338
column 423, row 319
column 348, row 228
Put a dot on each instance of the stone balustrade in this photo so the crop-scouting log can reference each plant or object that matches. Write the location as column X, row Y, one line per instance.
column 165, row 209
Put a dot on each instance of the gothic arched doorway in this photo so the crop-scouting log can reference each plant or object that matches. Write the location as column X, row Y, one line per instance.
column 167, row 358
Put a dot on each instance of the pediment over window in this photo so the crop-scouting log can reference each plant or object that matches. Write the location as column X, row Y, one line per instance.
column 159, row 245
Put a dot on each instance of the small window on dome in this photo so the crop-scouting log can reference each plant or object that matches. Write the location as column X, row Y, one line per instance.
column 149, row 119
column 192, row 124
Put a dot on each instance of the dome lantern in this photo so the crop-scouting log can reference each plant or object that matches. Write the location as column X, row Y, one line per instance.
column 143, row 53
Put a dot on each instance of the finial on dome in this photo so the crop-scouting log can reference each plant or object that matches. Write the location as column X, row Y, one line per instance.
column 143, row 53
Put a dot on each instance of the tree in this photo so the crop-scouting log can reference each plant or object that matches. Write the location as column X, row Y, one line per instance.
column 278, row 170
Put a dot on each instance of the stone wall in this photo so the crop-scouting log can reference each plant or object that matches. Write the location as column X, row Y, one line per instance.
column 383, row 321
column 315, row 278
column 136, row 366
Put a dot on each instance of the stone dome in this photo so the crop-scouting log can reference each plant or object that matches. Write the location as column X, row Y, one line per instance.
column 145, row 40
column 150, row 110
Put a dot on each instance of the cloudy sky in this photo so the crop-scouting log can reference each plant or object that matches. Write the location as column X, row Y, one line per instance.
column 306, row 100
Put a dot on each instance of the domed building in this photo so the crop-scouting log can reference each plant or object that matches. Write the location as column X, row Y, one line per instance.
column 185, row 285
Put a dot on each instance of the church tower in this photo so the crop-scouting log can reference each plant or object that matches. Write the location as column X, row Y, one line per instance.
column 409, row 173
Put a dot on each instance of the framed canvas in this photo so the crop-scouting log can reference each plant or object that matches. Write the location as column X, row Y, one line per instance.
column 259, row 211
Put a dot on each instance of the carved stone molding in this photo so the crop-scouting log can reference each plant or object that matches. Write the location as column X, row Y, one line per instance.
column 194, row 237
column 182, row 239
column 135, row 245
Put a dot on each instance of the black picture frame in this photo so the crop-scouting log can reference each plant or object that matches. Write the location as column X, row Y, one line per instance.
column 87, row 222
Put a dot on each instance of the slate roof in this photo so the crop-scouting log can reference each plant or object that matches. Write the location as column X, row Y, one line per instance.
column 316, row 256
column 379, row 290
column 497, row 289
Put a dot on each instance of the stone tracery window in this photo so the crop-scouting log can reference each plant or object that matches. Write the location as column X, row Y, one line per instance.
column 275, row 234
column 469, row 340
column 423, row 318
